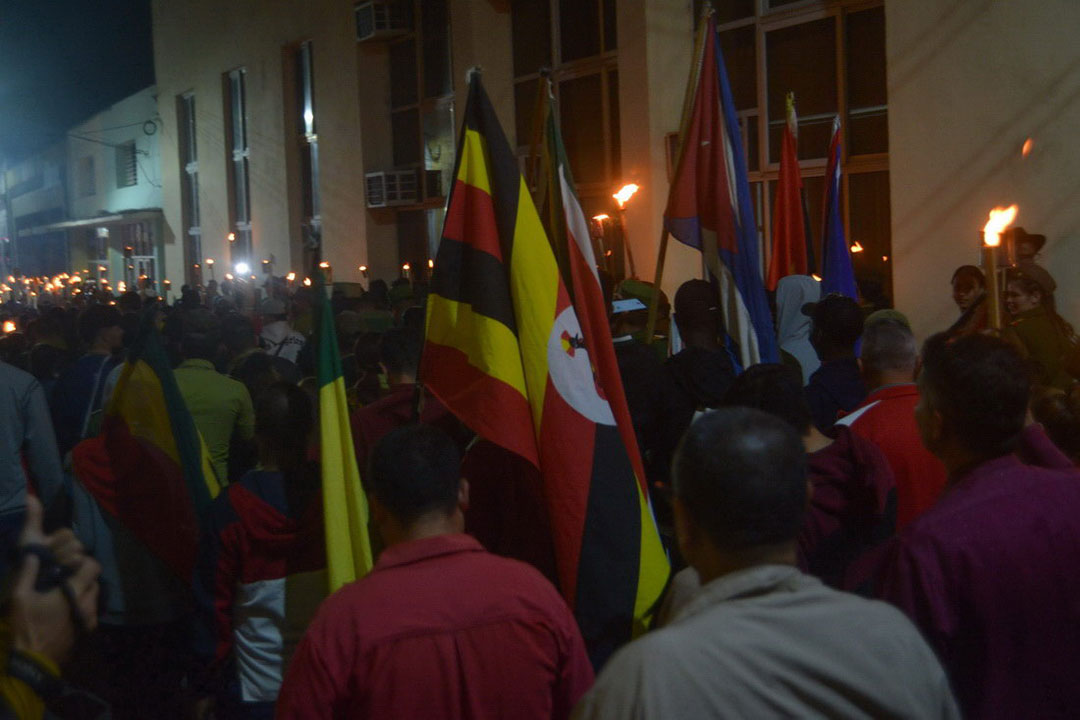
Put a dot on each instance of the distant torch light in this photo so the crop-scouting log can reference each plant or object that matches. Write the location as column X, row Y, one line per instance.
column 242, row 268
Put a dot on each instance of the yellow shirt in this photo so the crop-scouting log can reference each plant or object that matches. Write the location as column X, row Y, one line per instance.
column 219, row 406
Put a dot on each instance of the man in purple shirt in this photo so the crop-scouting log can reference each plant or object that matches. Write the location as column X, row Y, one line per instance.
column 990, row 573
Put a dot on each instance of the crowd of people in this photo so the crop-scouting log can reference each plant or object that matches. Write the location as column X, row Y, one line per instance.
column 865, row 528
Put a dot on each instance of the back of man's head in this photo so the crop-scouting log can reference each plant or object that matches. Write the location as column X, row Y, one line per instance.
column 416, row 470
column 399, row 350
column 775, row 389
column 284, row 418
column 889, row 348
column 238, row 333
column 697, row 308
column 740, row 475
column 837, row 325
column 96, row 318
column 129, row 302
column 201, row 335
column 980, row 386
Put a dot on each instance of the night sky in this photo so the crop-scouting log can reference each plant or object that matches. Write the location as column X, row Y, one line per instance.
column 61, row 61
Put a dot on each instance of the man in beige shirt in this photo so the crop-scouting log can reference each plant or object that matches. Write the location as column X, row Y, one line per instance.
column 759, row 638
column 219, row 405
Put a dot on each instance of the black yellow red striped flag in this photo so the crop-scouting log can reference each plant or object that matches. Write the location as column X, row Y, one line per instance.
column 505, row 352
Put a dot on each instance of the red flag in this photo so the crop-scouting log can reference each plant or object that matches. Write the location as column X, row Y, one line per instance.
column 789, row 228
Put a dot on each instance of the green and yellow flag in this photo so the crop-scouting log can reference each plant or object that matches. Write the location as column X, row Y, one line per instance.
column 345, row 509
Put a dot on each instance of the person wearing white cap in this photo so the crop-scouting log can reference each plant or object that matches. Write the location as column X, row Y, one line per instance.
column 278, row 338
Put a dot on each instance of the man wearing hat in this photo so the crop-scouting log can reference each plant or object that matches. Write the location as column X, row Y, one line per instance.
column 1025, row 245
column 278, row 338
column 837, row 386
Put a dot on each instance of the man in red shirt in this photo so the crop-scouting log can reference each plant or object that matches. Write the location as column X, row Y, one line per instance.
column 887, row 417
column 440, row 628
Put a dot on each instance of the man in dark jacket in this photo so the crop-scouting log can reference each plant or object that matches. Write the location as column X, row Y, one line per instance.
column 837, row 386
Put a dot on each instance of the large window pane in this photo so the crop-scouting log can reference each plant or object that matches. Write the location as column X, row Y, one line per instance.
column 439, row 149
column 867, row 96
column 802, row 59
column 611, row 37
column 403, row 73
column 579, row 26
column 530, row 23
column 583, row 132
column 614, row 133
column 740, row 59
column 405, row 126
column 436, row 35
column 870, row 227
column 524, row 109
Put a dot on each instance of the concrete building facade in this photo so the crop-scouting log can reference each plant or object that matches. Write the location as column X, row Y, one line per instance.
column 914, row 113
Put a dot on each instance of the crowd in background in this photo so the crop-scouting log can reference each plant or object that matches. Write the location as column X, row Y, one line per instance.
column 940, row 479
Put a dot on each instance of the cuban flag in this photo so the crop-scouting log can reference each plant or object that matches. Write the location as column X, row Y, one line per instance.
column 709, row 206
column 837, row 275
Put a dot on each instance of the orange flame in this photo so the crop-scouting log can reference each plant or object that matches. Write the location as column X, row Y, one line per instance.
column 600, row 218
column 9, row 326
column 625, row 193
column 291, row 276
column 307, row 282
column 431, row 264
column 324, row 264
column 406, row 267
column 231, row 237
column 1000, row 218
column 1026, row 149
column 363, row 268
column 816, row 276
column 856, row 247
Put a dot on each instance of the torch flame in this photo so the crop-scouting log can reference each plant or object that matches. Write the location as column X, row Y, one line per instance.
column 406, row 267
column 9, row 326
column 1026, row 149
column 625, row 193
column 431, row 264
column 600, row 218
column 816, row 276
column 324, row 264
column 856, row 247
column 363, row 268
column 307, row 282
column 291, row 276
column 1000, row 218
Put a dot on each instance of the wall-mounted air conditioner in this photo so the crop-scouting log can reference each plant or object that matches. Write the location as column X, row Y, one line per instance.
column 391, row 188
column 381, row 20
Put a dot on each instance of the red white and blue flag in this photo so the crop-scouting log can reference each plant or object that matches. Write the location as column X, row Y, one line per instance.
column 837, row 274
column 709, row 205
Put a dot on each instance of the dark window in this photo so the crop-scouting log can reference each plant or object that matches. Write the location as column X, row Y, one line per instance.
column 582, row 112
column 405, row 127
column 189, row 186
column 403, row 73
column 435, row 30
column 126, row 169
column 530, row 23
column 579, row 27
column 239, row 178
column 740, row 59
column 870, row 226
column 802, row 59
column 868, row 126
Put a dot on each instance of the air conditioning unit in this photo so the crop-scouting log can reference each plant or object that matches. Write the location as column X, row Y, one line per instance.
column 381, row 20
column 391, row 188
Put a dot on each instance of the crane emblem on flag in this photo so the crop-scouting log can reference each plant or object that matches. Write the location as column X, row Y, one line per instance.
column 572, row 371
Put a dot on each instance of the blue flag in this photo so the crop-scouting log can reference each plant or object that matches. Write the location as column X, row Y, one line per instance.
column 709, row 206
column 837, row 275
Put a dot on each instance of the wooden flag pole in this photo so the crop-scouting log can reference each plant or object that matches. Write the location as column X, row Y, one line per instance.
column 654, row 302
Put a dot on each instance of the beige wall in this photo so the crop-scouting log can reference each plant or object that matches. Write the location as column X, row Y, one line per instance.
column 969, row 80
column 195, row 42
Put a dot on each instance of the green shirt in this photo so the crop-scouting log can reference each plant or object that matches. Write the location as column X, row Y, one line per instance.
column 219, row 406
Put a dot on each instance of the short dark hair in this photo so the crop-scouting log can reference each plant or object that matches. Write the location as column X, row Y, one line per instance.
column 129, row 302
column 980, row 386
column 971, row 272
column 415, row 470
column 741, row 474
column 96, row 318
column 238, row 333
column 400, row 348
column 773, row 388
column 284, row 418
column 697, row 306
column 201, row 334
column 888, row 345
column 837, row 322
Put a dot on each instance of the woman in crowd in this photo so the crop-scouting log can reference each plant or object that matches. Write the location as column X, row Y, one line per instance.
column 1036, row 329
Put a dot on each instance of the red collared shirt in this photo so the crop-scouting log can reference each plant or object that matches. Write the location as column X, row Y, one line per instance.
column 887, row 418
column 440, row 629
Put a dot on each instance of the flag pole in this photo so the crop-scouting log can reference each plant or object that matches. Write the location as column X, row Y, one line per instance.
column 684, row 123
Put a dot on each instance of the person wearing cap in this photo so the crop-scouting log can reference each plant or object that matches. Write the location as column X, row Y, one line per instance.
column 837, row 386
column 1036, row 329
column 645, row 384
column 702, row 371
column 220, row 406
column 1026, row 245
column 278, row 337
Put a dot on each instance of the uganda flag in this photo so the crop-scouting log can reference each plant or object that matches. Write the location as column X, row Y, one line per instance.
column 149, row 468
column 345, row 509
column 505, row 352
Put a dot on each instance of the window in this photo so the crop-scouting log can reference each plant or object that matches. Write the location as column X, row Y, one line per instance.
column 126, row 175
column 421, row 101
column 189, row 187
column 578, row 41
column 239, row 178
column 97, row 252
column 307, row 144
column 85, row 180
column 831, row 54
